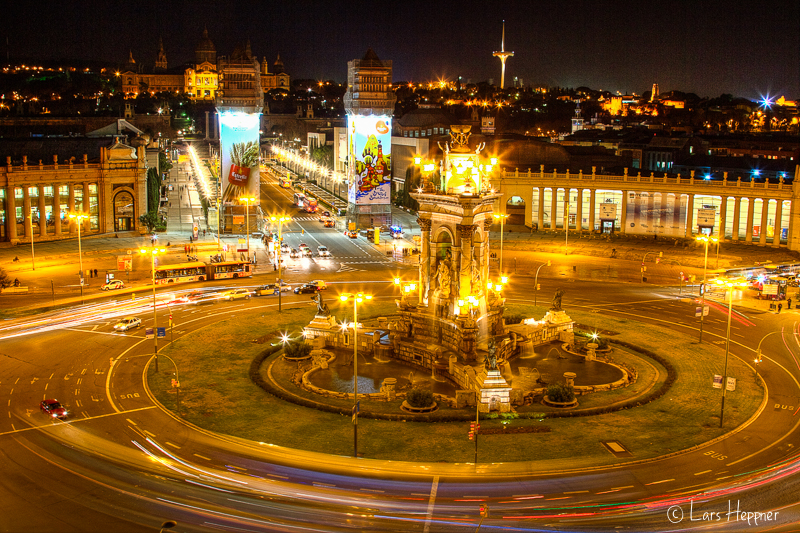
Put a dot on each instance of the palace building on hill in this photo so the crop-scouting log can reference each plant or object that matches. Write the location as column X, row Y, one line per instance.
column 198, row 79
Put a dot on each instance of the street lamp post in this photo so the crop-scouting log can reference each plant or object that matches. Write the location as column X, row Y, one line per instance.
column 502, row 218
column 280, row 220
column 730, row 286
column 660, row 254
column 33, row 256
column 758, row 349
column 79, row 218
column 247, row 200
column 357, row 299
column 536, row 280
column 153, row 253
column 704, row 239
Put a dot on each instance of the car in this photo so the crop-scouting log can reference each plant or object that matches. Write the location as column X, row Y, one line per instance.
column 53, row 408
column 352, row 234
column 285, row 248
column 323, row 251
column 306, row 252
column 329, row 223
column 113, row 284
column 303, row 246
column 306, row 288
column 294, row 254
column 128, row 323
column 272, row 288
column 321, row 285
column 326, row 214
column 236, row 294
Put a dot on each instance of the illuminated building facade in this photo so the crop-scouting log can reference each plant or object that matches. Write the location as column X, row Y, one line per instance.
column 199, row 80
column 36, row 198
column 736, row 209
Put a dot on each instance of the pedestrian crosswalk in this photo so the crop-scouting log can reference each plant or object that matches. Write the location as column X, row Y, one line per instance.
column 347, row 268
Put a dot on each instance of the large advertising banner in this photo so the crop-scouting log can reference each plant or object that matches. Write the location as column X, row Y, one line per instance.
column 369, row 141
column 239, row 150
column 656, row 214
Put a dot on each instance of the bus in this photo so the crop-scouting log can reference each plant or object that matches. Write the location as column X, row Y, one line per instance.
column 285, row 182
column 181, row 273
column 198, row 271
column 229, row 269
column 311, row 205
column 299, row 199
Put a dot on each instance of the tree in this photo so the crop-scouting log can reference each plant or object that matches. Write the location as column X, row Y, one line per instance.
column 153, row 190
column 163, row 162
column 150, row 220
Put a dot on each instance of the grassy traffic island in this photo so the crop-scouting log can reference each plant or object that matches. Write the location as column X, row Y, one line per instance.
column 236, row 382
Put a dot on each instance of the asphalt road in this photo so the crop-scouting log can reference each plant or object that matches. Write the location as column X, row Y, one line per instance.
column 120, row 463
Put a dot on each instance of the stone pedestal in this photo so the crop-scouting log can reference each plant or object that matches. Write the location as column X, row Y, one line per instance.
column 388, row 388
column 495, row 393
column 591, row 353
column 557, row 317
column 569, row 377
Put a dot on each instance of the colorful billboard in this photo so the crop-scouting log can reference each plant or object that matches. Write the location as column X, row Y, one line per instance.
column 369, row 141
column 239, row 150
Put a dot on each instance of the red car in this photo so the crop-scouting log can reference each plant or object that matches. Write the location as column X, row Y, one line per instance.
column 53, row 408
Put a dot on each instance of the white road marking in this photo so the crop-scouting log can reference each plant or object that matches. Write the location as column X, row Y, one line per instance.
column 431, row 502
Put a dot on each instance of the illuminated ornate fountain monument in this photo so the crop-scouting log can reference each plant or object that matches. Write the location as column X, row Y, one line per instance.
column 454, row 328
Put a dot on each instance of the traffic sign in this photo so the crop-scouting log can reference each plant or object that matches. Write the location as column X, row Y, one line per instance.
column 162, row 332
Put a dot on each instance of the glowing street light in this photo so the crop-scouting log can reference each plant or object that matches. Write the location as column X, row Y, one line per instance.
column 281, row 220
column 536, row 280
column 704, row 239
column 79, row 218
column 730, row 285
column 357, row 299
column 153, row 253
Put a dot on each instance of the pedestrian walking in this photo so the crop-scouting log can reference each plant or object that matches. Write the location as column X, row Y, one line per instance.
column 90, row 272
column 95, row 272
column 789, row 303
column 779, row 308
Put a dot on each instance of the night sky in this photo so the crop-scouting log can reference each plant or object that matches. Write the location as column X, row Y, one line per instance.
column 708, row 47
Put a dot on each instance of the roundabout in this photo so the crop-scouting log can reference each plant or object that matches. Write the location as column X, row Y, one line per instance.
column 669, row 407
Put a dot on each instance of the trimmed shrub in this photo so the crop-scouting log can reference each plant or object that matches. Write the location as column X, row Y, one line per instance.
column 513, row 319
column 297, row 350
column 559, row 392
column 419, row 398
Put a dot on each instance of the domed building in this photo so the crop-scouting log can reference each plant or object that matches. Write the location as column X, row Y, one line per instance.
column 205, row 52
column 199, row 79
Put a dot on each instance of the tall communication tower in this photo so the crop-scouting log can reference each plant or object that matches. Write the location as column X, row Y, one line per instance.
column 503, row 55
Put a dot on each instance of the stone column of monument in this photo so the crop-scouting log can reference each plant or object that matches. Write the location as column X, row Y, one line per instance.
column 485, row 274
column 465, row 264
column 424, row 259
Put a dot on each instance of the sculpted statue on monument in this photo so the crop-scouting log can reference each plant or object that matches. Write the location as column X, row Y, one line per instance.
column 443, row 276
column 322, row 307
column 557, row 300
